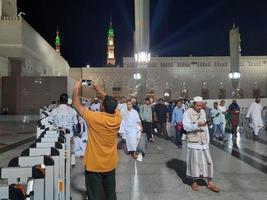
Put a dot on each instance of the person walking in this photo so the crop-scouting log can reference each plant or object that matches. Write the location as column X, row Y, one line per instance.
column 65, row 117
column 135, row 104
column 101, row 156
column 146, row 117
column 234, row 111
column 129, row 128
column 171, row 107
column 161, row 116
column 95, row 106
column 199, row 161
column 122, row 104
column 217, row 119
column 177, row 122
column 255, row 113
column 223, row 110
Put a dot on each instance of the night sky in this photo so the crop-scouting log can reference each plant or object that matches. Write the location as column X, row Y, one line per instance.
column 177, row 27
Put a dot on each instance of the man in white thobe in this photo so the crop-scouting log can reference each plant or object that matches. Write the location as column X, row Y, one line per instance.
column 64, row 116
column 255, row 113
column 130, row 122
column 95, row 106
column 122, row 107
column 223, row 110
column 122, row 104
column 199, row 161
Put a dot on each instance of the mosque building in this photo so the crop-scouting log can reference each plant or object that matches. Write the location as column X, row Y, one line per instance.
column 29, row 65
column 213, row 77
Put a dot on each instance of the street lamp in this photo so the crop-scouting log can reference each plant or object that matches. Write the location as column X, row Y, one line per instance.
column 234, row 75
column 137, row 76
column 142, row 57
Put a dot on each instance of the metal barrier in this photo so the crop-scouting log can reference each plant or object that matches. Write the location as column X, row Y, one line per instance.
column 51, row 153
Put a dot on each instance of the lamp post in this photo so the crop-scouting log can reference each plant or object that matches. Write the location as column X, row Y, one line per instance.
column 141, row 33
column 235, row 53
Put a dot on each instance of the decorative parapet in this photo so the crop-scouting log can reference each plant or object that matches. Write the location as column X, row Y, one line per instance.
column 223, row 61
column 8, row 18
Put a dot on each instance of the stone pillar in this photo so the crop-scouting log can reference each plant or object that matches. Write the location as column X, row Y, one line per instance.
column 8, row 8
column 235, row 52
column 141, row 34
column 0, row 8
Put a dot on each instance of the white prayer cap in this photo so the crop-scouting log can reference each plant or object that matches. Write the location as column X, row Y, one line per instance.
column 198, row 99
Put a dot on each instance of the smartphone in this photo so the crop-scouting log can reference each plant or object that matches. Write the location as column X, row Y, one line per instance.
column 86, row 83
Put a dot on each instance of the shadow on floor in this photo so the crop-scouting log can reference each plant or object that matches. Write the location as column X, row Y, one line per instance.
column 75, row 187
column 80, row 191
column 179, row 166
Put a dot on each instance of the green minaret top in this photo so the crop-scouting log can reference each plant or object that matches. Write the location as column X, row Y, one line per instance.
column 57, row 38
column 110, row 30
column 57, row 42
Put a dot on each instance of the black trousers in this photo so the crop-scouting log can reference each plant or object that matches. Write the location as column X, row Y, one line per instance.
column 99, row 182
column 147, row 126
column 162, row 129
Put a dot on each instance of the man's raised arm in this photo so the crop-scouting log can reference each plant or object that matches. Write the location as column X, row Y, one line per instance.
column 75, row 98
column 76, row 95
column 98, row 89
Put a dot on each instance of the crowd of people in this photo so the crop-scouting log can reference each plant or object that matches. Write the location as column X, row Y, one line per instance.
column 97, row 126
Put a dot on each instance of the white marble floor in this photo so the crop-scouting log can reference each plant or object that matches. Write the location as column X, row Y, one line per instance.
column 240, row 169
column 161, row 176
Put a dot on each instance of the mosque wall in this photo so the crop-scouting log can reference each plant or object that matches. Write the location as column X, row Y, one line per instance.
column 30, row 93
column 3, row 72
column 3, row 66
column 174, row 79
column 243, row 103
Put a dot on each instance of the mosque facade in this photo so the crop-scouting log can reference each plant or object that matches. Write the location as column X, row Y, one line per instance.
column 222, row 77
column 172, row 77
column 24, row 54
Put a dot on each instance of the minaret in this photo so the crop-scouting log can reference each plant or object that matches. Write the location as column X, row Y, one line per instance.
column 8, row 8
column 110, row 46
column 235, row 52
column 57, row 42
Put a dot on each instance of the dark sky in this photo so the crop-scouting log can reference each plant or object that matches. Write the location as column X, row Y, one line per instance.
column 177, row 27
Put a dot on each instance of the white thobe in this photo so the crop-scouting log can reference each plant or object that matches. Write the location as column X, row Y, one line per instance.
column 95, row 107
column 84, row 129
column 130, row 120
column 122, row 107
column 64, row 116
column 79, row 146
column 223, row 110
column 255, row 112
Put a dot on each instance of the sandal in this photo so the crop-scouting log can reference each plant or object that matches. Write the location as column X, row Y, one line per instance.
column 195, row 186
column 213, row 187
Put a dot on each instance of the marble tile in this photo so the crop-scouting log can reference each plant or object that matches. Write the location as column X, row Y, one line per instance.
column 161, row 175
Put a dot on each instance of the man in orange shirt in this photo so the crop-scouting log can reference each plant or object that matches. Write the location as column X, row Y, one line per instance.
column 101, row 156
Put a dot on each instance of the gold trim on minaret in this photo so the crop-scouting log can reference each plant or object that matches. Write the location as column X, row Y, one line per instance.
column 111, row 60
